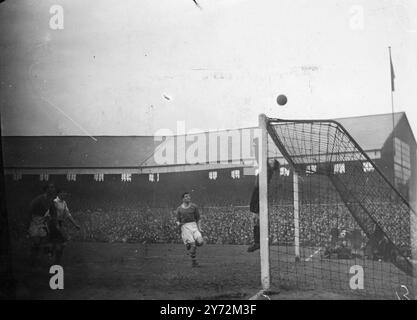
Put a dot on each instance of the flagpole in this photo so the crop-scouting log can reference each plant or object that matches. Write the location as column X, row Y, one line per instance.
column 392, row 111
column 413, row 217
column 392, row 107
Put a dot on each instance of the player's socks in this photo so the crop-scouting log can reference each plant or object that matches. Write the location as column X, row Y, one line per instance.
column 188, row 246
column 256, row 238
column 193, row 254
column 253, row 247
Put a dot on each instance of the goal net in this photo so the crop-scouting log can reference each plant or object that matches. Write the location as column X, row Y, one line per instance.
column 336, row 222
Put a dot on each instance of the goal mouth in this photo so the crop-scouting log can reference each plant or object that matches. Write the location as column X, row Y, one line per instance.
column 332, row 207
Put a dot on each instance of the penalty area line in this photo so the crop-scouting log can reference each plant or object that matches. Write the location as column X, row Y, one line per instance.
column 313, row 255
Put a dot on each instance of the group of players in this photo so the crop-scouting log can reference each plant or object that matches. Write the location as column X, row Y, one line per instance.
column 46, row 228
column 49, row 210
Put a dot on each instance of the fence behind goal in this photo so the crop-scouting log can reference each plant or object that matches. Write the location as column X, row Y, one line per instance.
column 337, row 222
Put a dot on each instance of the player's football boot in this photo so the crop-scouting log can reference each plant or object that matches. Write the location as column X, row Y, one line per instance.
column 195, row 264
column 254, row 247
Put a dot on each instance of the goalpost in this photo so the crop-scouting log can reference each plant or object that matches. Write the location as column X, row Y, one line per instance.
column 296, row 217
column 263, row 204
column 328, row 205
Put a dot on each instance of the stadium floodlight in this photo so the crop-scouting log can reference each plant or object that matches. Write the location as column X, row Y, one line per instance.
column 337, row 221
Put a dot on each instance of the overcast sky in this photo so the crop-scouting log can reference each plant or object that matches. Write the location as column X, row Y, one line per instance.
column 133, row 67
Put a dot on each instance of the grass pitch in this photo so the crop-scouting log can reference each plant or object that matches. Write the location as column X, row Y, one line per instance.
column 163, row 271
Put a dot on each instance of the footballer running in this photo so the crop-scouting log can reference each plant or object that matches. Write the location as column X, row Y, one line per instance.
column 188, row 220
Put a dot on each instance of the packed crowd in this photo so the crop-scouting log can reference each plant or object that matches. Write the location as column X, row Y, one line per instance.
column 140, row 223
column 220, row 225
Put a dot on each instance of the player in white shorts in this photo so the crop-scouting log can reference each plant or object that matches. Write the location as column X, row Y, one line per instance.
column 188, row 219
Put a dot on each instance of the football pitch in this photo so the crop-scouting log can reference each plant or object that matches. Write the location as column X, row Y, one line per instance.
column 162, row 271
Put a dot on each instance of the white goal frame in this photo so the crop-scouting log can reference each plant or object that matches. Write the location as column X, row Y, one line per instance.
column 264, row 211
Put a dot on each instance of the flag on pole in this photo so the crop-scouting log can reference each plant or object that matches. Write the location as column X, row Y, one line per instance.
column 392, row 72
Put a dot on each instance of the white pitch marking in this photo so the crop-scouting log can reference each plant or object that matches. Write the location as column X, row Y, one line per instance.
column 261, row 295
column 312, row 255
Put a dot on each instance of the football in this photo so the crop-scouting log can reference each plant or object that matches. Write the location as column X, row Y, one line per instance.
column 282, row 100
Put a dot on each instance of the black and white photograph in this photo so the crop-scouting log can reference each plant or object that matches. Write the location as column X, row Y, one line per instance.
column 205, row 150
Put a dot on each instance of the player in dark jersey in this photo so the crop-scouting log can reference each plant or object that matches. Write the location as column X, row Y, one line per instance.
column 188, row 220
column 273, row 165
column 57, row 233
column 41, row 208
column 339, row 245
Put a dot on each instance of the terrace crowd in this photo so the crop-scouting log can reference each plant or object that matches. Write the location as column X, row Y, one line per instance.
column 220, row 224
